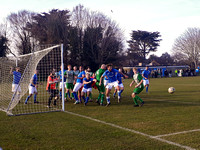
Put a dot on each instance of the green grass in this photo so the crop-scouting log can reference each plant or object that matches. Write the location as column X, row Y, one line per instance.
column 163, row 113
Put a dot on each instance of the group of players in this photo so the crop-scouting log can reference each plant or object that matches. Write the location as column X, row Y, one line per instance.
column 79, row 83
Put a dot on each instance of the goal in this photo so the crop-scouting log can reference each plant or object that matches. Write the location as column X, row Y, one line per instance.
column 13, row 97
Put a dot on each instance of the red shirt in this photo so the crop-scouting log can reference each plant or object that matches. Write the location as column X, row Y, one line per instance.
column 51, row 86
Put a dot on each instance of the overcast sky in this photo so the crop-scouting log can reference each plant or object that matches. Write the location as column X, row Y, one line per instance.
column 169, row 17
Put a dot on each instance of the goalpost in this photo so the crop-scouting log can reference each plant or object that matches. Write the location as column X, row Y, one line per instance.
column 45, row 59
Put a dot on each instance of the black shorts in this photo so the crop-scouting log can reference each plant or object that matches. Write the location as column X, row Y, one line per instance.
column 53, row 92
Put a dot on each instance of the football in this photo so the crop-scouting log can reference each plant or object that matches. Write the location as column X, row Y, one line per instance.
column 171, row 90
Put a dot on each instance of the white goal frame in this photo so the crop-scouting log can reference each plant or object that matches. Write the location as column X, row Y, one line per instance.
column 9, row 109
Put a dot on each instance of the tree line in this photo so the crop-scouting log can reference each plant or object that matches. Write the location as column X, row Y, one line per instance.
column 90, row 38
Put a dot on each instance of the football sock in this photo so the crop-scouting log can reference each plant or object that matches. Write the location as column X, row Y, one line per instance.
column 87, row 98
column 50, row 98
column 75, row 96
column 108, row 99
column 137, row 97
column 65, row 95
column 135, row 101
column 27, row 99
column 102, row 98
column 99, row 97
column 119, row 93
column 35, row 97
column 147, row 89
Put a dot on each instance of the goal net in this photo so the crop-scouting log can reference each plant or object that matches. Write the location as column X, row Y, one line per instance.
column 25, row 96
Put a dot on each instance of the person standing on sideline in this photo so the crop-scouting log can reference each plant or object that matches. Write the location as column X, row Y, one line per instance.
column 100, row 87
column 137, row 78
column 15, row 85
column 33, row 87
column 146, row 75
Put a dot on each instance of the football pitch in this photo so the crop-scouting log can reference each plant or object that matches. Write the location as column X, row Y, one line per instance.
column 166, row 121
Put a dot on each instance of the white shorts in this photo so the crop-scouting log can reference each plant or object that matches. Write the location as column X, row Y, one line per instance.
column 145, row 82
column 84, row 90
column 16, row 87
column 77, row 86
column 120, row 85
column 32, row 89
column 61, row 85
column 110, row 85
column 105, row 82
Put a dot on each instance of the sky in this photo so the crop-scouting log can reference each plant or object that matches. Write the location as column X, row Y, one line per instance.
column 169, row 17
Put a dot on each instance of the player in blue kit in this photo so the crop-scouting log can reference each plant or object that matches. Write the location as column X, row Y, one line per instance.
column 145, row 74
column 78, row 85
column 121, row 86
column 87, row 87
column 33, row 88
column 16, row 79
column 60, row 77
column 112, row 81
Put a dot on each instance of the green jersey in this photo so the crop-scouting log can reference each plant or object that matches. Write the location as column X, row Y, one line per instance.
column 69, row 76
column 99, row 73
column 137, row 78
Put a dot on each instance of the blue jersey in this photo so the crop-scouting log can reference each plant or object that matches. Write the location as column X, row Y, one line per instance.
column 34, row 78
column 146, row 74
column 16, row 77
column 87, row 86
column 79, row 76
column 60, row 75
column 119, row 77
column 111, row 75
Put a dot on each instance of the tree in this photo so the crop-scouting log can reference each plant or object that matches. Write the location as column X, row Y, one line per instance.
column 164, row 59
column 188, row 46
column 143, row 42
column 51, row 27
column 3, row 46
column 21, row 38
column 100, row 39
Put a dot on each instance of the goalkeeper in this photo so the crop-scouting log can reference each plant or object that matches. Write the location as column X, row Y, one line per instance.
column 51, row 88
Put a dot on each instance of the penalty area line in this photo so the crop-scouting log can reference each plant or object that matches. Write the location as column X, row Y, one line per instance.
column 130, row 130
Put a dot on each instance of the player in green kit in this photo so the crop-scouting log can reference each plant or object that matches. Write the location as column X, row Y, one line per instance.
column 101, row 87
column 137, row 78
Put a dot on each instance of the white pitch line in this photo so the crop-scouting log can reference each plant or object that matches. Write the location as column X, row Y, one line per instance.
column 189, row 131
column 133, row 131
